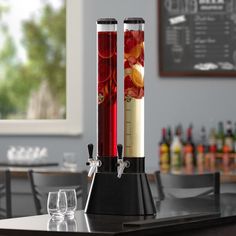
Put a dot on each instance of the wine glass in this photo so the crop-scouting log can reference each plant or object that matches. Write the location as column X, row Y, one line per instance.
column 57, row 205
column 71, row 201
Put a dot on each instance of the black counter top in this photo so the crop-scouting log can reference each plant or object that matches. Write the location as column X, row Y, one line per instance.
column 174, row 215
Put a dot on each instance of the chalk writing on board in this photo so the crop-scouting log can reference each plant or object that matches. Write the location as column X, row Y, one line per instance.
column 198, row 35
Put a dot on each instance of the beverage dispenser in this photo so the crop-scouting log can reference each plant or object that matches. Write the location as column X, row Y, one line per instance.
column 119, row 185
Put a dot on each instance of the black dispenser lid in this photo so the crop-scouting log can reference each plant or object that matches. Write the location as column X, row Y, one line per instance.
column 134, row 20
column 107, row 21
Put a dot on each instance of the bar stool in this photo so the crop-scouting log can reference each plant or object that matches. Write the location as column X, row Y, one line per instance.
column 168, row 184
column 5, row 193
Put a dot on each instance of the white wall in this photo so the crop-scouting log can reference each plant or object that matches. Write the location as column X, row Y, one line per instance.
column 167, row 100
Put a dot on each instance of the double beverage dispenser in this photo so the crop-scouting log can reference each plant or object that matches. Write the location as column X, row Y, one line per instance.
column 119, row 185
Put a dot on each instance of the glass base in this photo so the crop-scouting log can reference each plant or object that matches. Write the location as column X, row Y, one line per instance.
column 57, row 217
column 70, row 214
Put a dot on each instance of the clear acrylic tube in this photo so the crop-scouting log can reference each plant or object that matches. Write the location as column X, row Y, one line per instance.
column 134, row 87
column 107, row 87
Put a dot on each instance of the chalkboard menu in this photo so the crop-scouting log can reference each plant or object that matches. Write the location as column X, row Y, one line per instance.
column 197, row 37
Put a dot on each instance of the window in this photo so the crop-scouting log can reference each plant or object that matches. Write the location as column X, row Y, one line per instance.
column 40, row 74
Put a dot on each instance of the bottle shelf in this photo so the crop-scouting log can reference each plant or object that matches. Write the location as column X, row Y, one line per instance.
column 222, row 162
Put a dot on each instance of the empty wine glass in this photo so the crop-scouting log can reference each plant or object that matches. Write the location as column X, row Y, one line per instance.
column 71, row 201
column 57, row 205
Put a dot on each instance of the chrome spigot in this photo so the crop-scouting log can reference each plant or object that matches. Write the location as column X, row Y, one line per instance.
column 121, row 164
column 92, row 163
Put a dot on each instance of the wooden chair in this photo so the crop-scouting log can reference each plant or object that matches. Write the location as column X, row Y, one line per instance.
column 5, row 193
column 167, row 184
column 44, row 182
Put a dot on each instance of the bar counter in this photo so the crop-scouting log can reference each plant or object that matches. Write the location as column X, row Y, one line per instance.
column 191, row 216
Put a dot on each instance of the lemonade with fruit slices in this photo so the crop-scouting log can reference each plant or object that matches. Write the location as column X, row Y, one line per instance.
column 134, row 93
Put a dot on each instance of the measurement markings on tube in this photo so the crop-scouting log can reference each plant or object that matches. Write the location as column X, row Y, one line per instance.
column 128, row 129
column 129, row 122
column 128, row 134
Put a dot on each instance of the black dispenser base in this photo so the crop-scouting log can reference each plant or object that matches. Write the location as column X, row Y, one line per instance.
column 128, row 195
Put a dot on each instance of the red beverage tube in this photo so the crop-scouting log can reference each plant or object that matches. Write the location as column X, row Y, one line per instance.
column 107, row 87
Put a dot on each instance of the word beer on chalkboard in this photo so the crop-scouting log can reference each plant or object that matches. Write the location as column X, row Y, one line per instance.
column 197, row 37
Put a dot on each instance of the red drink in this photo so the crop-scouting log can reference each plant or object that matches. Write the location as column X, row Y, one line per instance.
column 107, row 93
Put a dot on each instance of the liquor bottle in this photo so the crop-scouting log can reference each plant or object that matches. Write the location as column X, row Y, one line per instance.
column 200, row 158
column 220, row 137
column 201, row 150
column 212, row 139
column 169, row 135
column 189, row 149
column 235, row 137
column 229, row 138
column 211, row 156
column 234, row 144
column 164, row 153
column 228, row 146
column 180, row 133
column 225, row 158
column 176, row 150
column 204, row 139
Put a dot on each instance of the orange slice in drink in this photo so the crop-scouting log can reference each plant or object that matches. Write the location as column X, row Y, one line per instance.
column 138, row 75
column 134, row 52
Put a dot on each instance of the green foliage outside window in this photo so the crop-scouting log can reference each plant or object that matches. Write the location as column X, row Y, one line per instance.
column 35, row 88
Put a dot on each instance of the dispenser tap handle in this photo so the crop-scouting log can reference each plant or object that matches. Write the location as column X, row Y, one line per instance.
column 121, row 168
column 119, row 150
column 120, row 171
column 92, row 170
column 121, row 165
column 90, row 150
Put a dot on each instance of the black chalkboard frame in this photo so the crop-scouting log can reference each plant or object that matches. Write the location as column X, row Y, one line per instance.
column 187, row 73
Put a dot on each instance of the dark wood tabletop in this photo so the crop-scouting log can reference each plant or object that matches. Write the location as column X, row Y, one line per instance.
column 183, row 215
